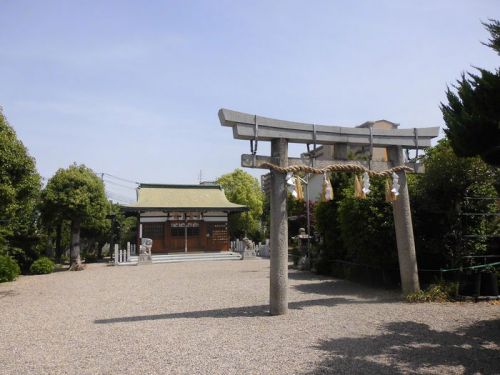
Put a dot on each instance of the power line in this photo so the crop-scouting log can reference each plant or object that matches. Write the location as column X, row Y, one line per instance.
column 120, row 178
column 117, row 184
column 118, row 197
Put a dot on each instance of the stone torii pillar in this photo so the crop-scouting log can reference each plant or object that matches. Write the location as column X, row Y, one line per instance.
column 404, row 229
column 279, row 232
column 280, row 133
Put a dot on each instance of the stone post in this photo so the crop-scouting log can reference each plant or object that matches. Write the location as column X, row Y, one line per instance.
column 279, row 232
column 404, row 229
column 116, row 254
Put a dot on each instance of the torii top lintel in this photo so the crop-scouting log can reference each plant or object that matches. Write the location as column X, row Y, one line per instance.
column 253, row 127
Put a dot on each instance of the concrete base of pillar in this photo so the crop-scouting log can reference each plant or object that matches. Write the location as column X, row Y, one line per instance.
column 144, row 259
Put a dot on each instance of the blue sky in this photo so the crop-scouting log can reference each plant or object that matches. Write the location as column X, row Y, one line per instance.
column 132, row 88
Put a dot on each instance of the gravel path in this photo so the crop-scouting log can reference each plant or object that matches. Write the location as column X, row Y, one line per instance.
column 212, row 318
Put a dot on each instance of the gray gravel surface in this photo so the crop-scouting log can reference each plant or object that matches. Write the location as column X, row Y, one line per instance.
column 212, row 318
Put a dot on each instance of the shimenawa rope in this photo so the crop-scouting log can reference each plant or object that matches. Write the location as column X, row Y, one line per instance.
column 356, row 168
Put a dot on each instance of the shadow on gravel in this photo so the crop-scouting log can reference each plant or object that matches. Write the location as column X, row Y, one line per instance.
column 409, row 348
column 305, row 275
column 7, row 293
column 232, row 312
column 347, row 288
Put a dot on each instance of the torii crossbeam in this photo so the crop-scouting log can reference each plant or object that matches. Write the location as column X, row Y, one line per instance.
column 250, row 127
column 280, row 133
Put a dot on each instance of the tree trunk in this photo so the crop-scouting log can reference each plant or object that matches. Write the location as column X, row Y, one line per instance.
column 99, row 249
column 58, row 241
column 112, row 239
column 75, row 261
column 49, row 251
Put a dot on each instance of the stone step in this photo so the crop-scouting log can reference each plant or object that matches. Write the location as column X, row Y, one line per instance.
column 177, row 257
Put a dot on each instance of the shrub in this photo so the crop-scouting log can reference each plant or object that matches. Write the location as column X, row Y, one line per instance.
column 9, row 269
column 367, row 229
column 439, row 199
column 321, row 260
column 90, row 258
column 441, row 292
column 23, row 257
column 42, row 266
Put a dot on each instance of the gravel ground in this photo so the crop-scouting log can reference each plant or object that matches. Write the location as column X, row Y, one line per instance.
column 212, row 318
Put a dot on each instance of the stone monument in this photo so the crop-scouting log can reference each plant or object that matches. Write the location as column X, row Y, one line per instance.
column 302, row 238
column 248, row 250
column 145, row 251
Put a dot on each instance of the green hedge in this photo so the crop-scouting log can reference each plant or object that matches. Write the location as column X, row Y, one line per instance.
column 42, row 266
column 9, row 269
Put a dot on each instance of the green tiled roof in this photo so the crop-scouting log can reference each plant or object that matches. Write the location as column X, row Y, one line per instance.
column 183, row 197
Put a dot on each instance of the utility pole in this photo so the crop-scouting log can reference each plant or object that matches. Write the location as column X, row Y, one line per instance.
column 112, row 217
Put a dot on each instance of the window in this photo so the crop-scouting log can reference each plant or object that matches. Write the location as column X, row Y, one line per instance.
column 177, row 229
column 176, row 232
column 153, row 230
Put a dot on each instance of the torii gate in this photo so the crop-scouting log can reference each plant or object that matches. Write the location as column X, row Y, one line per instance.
column 280, row 133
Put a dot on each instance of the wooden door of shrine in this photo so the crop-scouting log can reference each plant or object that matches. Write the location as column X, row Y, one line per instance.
column 183, row 235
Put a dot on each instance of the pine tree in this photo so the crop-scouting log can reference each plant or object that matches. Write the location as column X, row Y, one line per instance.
column 472, row 115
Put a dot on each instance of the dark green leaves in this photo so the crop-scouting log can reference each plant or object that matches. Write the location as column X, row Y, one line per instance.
column 472, row 115
column 74, row 193
column 240, row 187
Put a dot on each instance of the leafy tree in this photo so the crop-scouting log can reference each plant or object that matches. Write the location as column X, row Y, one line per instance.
column 75, row 194
column 367, row 228
column 362, row 231
column 128, row 230
column 242, row 188
column 266, row 216
column 440, row 196
column 95, row 231
column 20, row 186
column 472, row 115
column 297, row 215
column 296, row 210
column 326, row 215
column 101, row 230
column 9, row 269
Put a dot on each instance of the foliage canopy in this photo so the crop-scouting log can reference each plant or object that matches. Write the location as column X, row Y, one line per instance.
column 441, row 195
column 9, row 269
column 472, row 115
column 242, row 188
column 75, row 194
column 20, row 186
column 42, row 266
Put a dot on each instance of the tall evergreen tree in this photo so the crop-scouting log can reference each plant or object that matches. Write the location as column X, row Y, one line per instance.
column 441, row 195
column 472, row 115
column 75, row 194
column 20, row 186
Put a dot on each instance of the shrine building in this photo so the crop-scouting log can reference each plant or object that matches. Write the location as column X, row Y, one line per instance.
column 183, row 218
